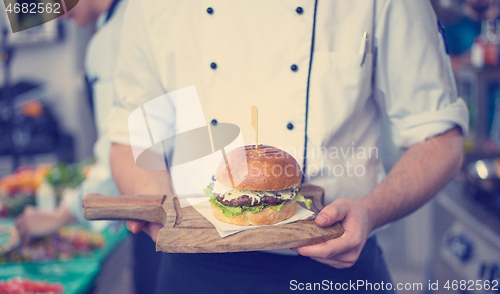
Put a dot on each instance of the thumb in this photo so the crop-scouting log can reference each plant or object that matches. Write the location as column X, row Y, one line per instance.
column 331, row 214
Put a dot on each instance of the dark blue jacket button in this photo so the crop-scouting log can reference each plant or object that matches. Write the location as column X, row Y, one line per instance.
column 299, row 10
column 214, row 122
column 213, row 65
column 294, row 67
column 211, row 11
column 289, row 126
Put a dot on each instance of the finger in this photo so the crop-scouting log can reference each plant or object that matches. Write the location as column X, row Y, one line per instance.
column 29, row 208
column 323, row 250
column 25, row 237
column 331, row 214
column 327, row 249
column 336, row 263
column 21, row 227
column 135, row 226
column 152, row 230
column 23, row 232
column 19, row 221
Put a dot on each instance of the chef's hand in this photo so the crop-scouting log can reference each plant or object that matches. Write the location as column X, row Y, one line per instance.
column 32, row 222
column 151, row 229
column 344, row 251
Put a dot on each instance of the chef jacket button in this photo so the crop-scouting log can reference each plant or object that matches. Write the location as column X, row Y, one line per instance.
column 214, row 122
column 299, row 10
column 213, row 65
column 294, row 67
column 289, row 126
column 213, row 177
column 210, row 10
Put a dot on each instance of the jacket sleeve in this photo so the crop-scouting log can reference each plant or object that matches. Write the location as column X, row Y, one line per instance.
column 136, row 82
column 414, row 82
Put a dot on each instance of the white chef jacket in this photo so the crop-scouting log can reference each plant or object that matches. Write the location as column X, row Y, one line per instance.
column 320, row 72
column 100, row 62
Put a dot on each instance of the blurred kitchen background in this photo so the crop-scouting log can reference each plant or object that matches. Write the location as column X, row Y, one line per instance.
column 456, row 236
column 47, row 134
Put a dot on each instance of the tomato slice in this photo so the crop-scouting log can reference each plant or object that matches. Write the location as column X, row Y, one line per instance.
column 272, row 203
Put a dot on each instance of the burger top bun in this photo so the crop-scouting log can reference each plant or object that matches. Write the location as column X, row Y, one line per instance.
column 266, row 168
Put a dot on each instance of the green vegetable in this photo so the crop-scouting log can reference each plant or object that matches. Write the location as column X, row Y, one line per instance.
column 301, row 198
column 208, row 192
column 231, row 211
column 277, row 207
column 227, row 211
column 68, row 175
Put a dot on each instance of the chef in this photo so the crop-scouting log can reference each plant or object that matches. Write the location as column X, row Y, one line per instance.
column 322, row 74
column 100, row 63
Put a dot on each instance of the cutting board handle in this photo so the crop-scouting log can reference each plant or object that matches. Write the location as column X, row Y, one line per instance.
column 126, row 207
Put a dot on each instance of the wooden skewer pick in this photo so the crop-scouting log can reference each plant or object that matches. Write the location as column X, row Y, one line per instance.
column 255, row 125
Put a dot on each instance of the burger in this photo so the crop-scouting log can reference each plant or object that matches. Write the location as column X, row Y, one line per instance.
column 256, row 186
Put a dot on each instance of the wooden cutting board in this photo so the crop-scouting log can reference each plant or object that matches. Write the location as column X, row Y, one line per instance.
column 186, row 231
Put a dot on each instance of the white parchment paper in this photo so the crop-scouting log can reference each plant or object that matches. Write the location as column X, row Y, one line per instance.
column 203, row 206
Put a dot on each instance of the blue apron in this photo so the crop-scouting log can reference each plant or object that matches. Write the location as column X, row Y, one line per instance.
column 260, row 272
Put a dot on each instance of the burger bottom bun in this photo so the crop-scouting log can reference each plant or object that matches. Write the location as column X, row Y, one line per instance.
column 266, row 216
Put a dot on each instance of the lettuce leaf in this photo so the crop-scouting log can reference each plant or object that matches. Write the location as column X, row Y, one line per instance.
column 253, row 209
column 227, row 211
column 231, row 211
column 208, row 192
column 301, row 198
column 277, row 207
